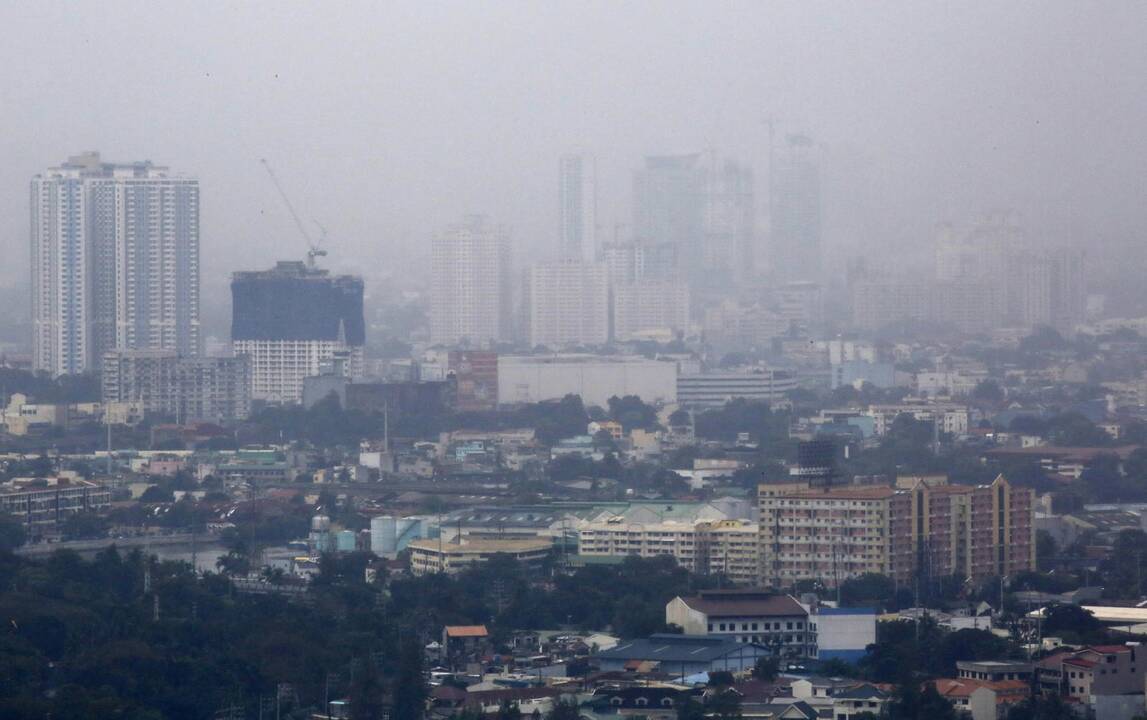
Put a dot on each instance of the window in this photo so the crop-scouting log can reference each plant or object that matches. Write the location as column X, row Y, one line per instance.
column 754, row 626
column 722, row 627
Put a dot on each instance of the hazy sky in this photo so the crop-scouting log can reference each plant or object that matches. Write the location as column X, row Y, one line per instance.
column 386, row 121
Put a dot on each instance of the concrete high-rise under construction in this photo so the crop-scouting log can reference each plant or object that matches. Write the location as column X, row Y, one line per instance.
column 293, row 320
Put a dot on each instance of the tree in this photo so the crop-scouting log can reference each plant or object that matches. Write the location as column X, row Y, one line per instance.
column 410, row 691
column 632, row 413
column 910, row 702
column 84, row 525
column 988, row 392
column 564, row 710
column 766, row 668
column 1046, row 550
column 12, row 533
column 366, row 691
column 157, row 494
column 1072, row 623
column 868, row 590
column 1042, row 707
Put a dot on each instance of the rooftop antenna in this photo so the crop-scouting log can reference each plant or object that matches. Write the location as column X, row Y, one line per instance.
column 313, row 247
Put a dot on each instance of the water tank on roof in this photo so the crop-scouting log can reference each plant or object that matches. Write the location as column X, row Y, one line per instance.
column 320, row 523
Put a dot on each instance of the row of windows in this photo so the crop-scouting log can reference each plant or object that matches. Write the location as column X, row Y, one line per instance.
column 731, row 627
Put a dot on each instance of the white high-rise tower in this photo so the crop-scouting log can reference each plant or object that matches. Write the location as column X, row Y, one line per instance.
column 577, row 208
column 115, row 262
column 470, row 297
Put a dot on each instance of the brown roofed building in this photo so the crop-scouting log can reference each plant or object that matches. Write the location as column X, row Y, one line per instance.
column 755, row 616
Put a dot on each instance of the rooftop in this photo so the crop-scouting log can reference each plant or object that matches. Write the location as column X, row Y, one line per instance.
column 466, row 631
column 675, row 649
column 481, row 546
column 744, row 603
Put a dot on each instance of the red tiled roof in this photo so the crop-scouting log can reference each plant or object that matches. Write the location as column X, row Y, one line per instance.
column 1107, row 649
column 466, row 631
column 1080, row 662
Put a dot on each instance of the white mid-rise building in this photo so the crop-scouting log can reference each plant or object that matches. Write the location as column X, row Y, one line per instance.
column 115, row 262
column 470, row 295
column 643, row 308
column 567, row 303
column 716, row 389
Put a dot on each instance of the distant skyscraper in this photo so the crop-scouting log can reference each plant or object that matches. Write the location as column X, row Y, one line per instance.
column 577, row 208
column 701, row 205
column 567, row 302
column 470, row 296
column 115, row 262
column 669, row 204
column 727, row 248
column 293, row 320
column 795, row 211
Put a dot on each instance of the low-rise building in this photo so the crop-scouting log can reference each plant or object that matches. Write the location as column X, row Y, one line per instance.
column 842, row 633
column 42, row 503
column 951, row 418
column 716, row 389
column 775, row 621
column 435, row 556
column 683, row 655
column 983, row 699
column 863, row 700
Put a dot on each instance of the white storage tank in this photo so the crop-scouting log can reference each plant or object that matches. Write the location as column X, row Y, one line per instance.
column 320, row 523
column 384, row 535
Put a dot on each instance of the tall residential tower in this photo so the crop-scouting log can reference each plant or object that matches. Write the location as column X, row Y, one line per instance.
column 115, row 262
column 577, row 208
column 796, row 211
column 470, row 295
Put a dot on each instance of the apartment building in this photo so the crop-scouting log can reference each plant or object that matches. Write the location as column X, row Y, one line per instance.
column 188, row 389
column 920, row 527
column 1089, row 673
column 567, row 303
column 952, row 418
column 708, row 546
column 115, row 262
column 42, row 503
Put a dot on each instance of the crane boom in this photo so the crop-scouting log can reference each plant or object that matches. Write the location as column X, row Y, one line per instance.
column 312, row 249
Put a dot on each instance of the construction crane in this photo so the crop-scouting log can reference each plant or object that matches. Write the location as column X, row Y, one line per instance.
column 314, row 248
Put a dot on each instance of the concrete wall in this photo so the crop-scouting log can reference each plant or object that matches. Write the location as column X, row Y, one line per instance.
column 523, row 379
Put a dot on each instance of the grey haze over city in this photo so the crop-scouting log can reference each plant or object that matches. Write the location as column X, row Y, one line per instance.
column 388, row 121
column 566, row 360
